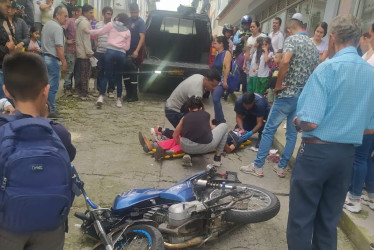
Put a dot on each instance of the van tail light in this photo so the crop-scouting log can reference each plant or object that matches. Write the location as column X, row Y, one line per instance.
column 212, row 54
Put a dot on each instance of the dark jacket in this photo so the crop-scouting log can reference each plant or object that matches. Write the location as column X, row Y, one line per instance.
column 22, row 31
column 4, row 38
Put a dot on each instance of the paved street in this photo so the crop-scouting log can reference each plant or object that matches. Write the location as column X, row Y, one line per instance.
column 110, row 160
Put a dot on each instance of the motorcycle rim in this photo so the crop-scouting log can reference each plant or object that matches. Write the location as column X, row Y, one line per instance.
column 255, row 204
column 137, row 237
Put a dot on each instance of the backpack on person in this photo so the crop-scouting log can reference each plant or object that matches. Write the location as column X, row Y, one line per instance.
column 35, row 176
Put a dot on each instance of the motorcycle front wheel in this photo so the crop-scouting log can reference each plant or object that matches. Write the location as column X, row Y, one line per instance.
column 251, row 205
column 137, row 237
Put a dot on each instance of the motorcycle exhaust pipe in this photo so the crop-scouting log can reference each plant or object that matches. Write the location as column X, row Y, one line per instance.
column 192, row 242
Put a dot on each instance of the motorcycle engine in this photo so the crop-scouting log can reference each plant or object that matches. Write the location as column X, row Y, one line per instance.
column 182, row 212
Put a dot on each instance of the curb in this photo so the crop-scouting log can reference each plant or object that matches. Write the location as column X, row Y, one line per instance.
column 354, row 232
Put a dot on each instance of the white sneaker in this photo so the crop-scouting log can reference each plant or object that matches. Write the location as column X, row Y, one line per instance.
column 100, row 101
column 279, row 171
column 253, row 170
column 111, row 95
column 368, row 202
column 353, row 206
column 119, row 103
column 186, row 161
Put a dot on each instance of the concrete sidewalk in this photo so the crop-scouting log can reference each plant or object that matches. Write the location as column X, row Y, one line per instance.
column 359, row 228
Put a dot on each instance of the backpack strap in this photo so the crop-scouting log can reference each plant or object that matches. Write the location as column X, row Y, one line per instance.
column 19, row 124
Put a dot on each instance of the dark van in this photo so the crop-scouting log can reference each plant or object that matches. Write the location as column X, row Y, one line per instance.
column 177, row 46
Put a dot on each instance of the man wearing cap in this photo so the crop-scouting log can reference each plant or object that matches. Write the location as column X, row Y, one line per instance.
column 134, row 55
column 299, row 17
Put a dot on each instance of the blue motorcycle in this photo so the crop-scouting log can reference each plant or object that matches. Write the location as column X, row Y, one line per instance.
column 190, row 213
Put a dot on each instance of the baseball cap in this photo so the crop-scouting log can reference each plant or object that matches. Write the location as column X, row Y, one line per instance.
column 298, row 16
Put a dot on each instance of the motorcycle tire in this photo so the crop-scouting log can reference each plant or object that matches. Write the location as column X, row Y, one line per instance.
column 137, row 237
column 254, row 215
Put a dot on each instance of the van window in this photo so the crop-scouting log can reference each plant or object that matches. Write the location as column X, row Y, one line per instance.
column 180, row 26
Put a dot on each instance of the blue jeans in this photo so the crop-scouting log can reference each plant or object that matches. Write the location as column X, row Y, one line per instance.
column 363, row 167
column 216, row 96
column 114, row 63
column 319, row 184
column 281, row 109
column 54, row 74
column 2, row 95
column 173, row 116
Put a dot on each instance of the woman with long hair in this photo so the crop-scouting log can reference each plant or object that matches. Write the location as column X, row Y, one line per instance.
column 222, row 63
column 119, row 38
column 320, row 32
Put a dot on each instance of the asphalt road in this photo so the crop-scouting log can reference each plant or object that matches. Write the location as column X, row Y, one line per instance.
column 110, row 160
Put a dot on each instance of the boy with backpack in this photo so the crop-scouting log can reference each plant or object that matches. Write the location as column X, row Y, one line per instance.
column 35, row 155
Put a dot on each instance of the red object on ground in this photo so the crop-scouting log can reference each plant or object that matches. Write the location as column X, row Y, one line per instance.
column 170, row 145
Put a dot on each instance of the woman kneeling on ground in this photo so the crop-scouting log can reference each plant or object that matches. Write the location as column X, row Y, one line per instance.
column 196, row 134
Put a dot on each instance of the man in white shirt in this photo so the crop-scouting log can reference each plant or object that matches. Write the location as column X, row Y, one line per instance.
column 276, row 36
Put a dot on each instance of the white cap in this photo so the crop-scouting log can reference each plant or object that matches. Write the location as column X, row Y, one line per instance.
column 298, row 16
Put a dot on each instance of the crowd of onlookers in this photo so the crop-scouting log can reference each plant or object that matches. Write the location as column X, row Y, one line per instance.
column 323, row 89
column 72, row 41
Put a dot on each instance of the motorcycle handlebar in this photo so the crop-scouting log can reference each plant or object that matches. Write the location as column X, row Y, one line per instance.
column 205, row 183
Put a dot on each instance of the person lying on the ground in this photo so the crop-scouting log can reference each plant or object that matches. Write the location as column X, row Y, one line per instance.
column 251, row 110
column 195, row 85
column 6, row 107
column 196, row 134
column 167, row 148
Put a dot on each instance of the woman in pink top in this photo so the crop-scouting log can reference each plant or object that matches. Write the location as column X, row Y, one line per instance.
column 119, row 38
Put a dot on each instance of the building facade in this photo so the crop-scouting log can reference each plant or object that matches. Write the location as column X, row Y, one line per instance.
column 264, row 11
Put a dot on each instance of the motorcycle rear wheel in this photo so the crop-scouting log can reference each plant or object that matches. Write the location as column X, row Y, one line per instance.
column 261, row 206
column 137, row 237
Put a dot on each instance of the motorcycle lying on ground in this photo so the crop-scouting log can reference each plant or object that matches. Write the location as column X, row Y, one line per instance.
column 133, row 234
column 190, row 213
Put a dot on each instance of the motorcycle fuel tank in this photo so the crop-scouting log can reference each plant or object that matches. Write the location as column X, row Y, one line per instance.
column 135, row 196
column 181, row 192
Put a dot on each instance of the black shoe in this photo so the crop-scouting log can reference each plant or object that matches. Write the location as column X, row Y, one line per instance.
column 258, row 140
column 133, row 99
